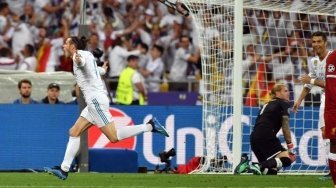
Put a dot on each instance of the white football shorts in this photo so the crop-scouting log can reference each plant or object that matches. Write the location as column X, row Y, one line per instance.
column 97, row 111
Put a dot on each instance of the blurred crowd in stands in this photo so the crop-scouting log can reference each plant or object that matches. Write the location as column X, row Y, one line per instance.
column 33, row 32
column 276, row 44
column 278, row 48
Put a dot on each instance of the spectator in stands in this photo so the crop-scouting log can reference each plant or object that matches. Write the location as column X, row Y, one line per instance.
column 6, row 59
column 17, row 7
column 49, row 12
column 169, row 21
column 332, row 31
column 28, row 15
column 74, row 93
column 72, row 14
column 149, row 19
column 117, row 58
column 20, row 35
column 50, row 47
column 178, row 71
column 303, row 24
column 4, row 23
column 25, row 89
column 260, row 29
column 298, row 56
column 94, row 43
column 53, row 93
column 249, row 66
column 168, row 42
column 277, row 29
column 153, row 71
column 29, row 60
column 282, row 68
column 144, row 57
column 131, row 89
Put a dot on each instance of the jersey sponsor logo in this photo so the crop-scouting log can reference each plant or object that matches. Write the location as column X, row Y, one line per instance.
column 331, row 68
column 96, row 139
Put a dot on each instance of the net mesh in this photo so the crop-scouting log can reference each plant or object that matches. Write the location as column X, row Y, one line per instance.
column 276, row 48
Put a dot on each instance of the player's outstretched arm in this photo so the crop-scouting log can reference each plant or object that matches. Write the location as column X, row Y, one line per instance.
column 303, row 94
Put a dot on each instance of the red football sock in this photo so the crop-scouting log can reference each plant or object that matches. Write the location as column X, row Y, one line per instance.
column 332, row 167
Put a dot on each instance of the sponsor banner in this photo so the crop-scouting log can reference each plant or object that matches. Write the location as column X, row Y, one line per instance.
column 33, row 136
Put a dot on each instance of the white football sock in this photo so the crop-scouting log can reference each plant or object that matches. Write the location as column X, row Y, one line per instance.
column 129, row 131
column 327, row 146
column 279, row 163
column 70, row 153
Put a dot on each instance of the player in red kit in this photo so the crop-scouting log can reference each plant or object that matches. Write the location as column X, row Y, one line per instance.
column 330, row 111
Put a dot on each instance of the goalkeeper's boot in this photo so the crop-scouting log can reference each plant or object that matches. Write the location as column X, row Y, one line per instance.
column 157, row 127
column 255, row 168
column 57, row 172
column 326, row 177
column 243, row 166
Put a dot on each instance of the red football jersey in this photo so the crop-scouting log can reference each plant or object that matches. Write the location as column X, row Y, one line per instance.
column 330, row 89
column 330, row 97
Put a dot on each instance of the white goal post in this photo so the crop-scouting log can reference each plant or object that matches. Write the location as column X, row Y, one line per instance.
column 246, row 47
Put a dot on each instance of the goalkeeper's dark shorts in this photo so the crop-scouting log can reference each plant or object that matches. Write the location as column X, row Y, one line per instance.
column 265, row 149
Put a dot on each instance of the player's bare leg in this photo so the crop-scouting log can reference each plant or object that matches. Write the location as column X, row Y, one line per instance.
column 116, row 133
column 72, row 148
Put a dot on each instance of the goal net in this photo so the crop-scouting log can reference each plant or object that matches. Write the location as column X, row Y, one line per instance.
column 274, row 47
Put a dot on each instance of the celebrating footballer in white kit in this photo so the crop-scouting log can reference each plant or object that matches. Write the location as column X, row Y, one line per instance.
column 97, row 110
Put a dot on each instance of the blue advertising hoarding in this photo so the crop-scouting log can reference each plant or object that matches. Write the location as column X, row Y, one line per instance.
column 34, row 136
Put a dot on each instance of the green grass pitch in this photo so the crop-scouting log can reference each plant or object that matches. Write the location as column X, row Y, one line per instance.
column 98, row 180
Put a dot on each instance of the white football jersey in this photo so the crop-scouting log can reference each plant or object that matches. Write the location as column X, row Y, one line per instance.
column 87, row 76
column 317, row 69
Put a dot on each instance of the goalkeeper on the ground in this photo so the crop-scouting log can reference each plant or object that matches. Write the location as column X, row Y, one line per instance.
column 271, row 155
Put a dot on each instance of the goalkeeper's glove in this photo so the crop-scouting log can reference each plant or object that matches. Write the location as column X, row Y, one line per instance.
column 291, row 152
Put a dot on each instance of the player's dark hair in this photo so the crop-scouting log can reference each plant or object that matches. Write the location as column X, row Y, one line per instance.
column 320, row 34
column 276, row 88
column 132, row 57
column 94, row 34
column 5, row 52
column 3, row 5
column 143, row 45
column 24, row 81
column 30, row 48
column 80, row 43
column 158, row 47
